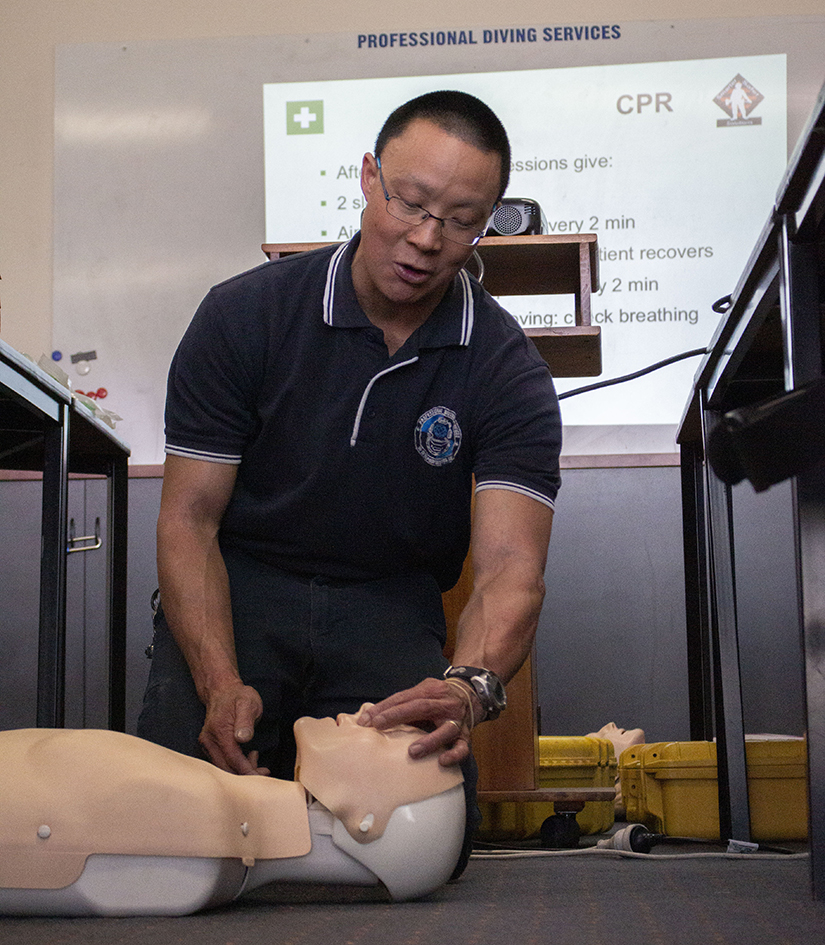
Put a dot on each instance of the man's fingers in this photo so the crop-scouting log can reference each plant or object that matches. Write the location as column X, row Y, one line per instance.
column 253, row 760
column 434, row 704
column 225, row 754
column 432, row 701
column 230, row 719
column 246, row 715
column 451, row 741
column 455, row 755
column 416, row 711
column 452, row 754
column 229, row 757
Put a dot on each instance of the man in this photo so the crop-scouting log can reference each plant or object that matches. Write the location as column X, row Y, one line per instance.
column 326, row 415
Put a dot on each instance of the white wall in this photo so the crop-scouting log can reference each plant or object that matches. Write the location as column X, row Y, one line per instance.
column 30, row 30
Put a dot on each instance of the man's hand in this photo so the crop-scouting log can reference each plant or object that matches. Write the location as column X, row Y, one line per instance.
column 433, row 704
column 194, row 588
column 231, row 714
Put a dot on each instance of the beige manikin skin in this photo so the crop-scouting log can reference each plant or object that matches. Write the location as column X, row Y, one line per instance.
column 69, row 794
column 330, row 765
column 620, row 738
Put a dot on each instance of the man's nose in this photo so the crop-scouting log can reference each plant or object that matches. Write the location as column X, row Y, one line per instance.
column 427, row 236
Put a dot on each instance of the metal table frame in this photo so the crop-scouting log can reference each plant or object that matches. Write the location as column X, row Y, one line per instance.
column 769, row 341
column 43, row 428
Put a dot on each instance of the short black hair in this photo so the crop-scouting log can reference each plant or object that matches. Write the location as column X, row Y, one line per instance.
column 458, row 113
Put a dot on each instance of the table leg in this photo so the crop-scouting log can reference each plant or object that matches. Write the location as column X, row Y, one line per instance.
column 51, row 660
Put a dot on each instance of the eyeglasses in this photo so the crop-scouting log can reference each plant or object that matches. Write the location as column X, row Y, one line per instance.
column 414, row 215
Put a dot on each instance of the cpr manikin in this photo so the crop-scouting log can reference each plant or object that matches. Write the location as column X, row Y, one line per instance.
column 101, row 823
column 619, row 738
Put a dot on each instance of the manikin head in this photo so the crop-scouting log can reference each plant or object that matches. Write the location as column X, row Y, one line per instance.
column 362, row 774
column 620, row 738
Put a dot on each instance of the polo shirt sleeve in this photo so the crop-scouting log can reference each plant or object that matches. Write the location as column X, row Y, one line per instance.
column 519, row 438
column 210, row 412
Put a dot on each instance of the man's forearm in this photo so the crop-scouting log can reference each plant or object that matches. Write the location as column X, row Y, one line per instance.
column 195, row 595
column 497, row 627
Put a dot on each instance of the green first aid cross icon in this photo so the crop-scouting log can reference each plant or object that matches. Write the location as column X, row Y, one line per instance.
column 305, row 118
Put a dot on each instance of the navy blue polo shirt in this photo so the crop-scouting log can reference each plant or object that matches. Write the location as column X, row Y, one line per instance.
column 354, row 464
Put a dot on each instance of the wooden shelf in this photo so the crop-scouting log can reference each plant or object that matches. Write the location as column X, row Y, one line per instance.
column 534, row 265
column 558, row 796
column 541, row 265
column 570, row 352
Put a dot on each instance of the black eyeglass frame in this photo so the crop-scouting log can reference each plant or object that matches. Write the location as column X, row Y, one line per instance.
column 426, row 215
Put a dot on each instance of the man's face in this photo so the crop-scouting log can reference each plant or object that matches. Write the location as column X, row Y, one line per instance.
column 405, row 266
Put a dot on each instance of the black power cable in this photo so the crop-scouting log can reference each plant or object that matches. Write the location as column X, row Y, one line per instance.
column 637, row 839
column 630, row 377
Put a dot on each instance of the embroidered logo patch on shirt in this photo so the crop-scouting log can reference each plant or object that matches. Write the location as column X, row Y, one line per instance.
column 438, row 436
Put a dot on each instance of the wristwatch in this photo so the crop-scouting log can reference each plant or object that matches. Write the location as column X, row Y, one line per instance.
column 489, row 688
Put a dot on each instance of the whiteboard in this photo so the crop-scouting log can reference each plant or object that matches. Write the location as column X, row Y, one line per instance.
column 160, row 180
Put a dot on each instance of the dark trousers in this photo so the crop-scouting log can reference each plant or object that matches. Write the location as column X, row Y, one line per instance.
column 310, row 646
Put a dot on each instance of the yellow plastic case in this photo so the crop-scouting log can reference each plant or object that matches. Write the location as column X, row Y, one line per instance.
column 671, row 787
column 564, row 762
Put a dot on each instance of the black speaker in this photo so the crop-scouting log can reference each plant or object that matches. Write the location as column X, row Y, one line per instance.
column 517, row 216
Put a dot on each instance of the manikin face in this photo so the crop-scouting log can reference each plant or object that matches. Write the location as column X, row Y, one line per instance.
column 362, row 773
column 397, row 264
column 620, row 738
column 342, row 737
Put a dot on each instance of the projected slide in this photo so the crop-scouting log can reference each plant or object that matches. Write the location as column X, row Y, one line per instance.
column 673, row 165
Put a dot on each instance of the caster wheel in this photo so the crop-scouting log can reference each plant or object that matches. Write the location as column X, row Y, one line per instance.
column 560, row 832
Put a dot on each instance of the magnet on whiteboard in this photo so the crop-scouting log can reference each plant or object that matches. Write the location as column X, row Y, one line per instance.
column 83, row 356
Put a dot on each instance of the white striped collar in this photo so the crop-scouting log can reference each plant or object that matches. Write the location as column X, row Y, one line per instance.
column 450, row 324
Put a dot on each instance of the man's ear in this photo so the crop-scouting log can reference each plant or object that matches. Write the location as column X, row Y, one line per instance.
column 369, row 174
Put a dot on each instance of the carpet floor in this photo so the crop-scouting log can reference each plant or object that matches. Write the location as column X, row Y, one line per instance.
column 582, row 899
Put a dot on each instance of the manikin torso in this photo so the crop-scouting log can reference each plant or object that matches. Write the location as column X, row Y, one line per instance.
column 83, row 808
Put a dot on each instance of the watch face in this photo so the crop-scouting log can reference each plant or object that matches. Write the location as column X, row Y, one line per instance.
column 498, row 693
column 495, row 690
